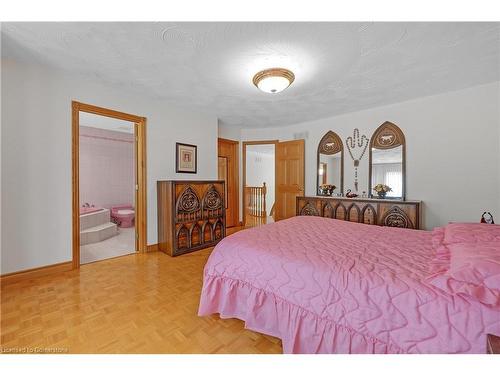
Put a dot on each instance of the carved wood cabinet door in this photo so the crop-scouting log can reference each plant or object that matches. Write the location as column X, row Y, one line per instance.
column 191, row 215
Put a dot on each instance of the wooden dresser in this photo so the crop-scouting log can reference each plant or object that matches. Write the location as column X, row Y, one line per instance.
column 191, row 215
column 383, row 212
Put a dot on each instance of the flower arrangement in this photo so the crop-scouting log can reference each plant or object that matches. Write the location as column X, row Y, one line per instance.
column 327, row 189
column 381, row 190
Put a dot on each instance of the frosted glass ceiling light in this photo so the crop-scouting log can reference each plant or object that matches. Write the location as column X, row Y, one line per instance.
column 273, row 80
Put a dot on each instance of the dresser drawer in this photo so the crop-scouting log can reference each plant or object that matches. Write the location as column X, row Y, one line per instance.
column 383, row 212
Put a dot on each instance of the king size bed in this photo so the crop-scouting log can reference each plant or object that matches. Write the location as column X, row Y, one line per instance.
column 329, row 286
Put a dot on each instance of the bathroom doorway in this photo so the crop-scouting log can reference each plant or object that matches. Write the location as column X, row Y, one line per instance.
column 109, row 201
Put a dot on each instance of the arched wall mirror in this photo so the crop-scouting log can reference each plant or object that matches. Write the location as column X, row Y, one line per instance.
column 387, row 162
column 330, row 165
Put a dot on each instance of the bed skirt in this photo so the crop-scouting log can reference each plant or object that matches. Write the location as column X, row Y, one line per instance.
column 300, row 331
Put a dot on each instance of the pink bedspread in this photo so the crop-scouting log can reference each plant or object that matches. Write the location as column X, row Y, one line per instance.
column 330, row 286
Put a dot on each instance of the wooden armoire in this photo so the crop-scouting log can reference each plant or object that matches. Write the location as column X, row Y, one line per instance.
column 191, row 215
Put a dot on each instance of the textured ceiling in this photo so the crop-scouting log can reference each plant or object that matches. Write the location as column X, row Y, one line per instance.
column 339, row 67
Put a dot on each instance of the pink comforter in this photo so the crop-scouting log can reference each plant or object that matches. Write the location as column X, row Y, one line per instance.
column 330, row 286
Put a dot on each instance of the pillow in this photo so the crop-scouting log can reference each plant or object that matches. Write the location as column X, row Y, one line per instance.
column 471, row 233
column 478, row 263
column 473, row 270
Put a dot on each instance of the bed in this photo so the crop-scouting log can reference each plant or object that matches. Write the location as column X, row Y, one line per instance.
column 329, row 286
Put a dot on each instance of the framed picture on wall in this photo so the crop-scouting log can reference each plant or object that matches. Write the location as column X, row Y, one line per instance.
column 185, row 158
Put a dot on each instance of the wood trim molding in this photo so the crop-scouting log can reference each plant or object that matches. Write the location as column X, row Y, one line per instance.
column 141, row 176
column 268, row 142
column 152, row 248
column 89, row 108
column 387, row 136
column 322, row 149
column 244, row 162
column 75, row 182
column 31, row 273
column 141, row 204
column 234, row 182
column 231, row 141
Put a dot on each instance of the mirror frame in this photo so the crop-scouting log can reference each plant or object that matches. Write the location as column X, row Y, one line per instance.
column 329, row 137
column 378, row 141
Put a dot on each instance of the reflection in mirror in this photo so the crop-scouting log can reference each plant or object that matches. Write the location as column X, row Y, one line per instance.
column 387, row 162
column 330, row 165
column 387, row 169
column 329, row 170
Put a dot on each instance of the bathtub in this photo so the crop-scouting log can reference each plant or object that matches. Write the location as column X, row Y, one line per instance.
column 96, row 225
column 93, row 216
column 89, row 210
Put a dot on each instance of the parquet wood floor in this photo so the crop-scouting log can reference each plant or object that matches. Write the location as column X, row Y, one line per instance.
column 140, row 303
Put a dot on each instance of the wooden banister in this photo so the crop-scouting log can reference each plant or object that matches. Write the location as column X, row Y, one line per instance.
column 255, row 200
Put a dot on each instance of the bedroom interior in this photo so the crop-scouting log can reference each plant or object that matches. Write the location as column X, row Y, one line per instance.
column 246, row 188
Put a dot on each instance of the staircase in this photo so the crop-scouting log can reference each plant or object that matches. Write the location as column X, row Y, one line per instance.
column 255, row 200
column 96, row 227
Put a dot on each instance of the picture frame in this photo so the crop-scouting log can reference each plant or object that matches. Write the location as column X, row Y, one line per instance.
column 186, row 158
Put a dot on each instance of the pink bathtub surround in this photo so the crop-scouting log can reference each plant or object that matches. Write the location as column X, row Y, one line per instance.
column 88, row 210
column 123, row 215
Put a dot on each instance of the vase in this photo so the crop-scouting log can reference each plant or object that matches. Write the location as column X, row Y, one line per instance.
column 381, row 194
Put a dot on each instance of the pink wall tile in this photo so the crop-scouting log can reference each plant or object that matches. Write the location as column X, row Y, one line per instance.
column 106, row 167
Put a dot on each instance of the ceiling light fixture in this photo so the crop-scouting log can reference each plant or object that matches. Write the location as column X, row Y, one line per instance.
column 273, row 80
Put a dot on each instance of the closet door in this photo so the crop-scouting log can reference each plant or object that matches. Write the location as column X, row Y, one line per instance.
column 290, row 182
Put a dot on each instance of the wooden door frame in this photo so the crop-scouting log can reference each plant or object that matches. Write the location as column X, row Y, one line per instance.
column 302, row 189
column 140, row 166
column 244, row 145
column 236, row 177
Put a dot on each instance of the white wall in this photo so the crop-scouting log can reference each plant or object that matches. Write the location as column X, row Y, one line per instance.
column 36, row 156
column 453, row 150
column 229, row 132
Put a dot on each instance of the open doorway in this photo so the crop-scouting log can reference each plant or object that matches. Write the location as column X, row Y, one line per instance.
column 109, row 205
column 259, row 182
